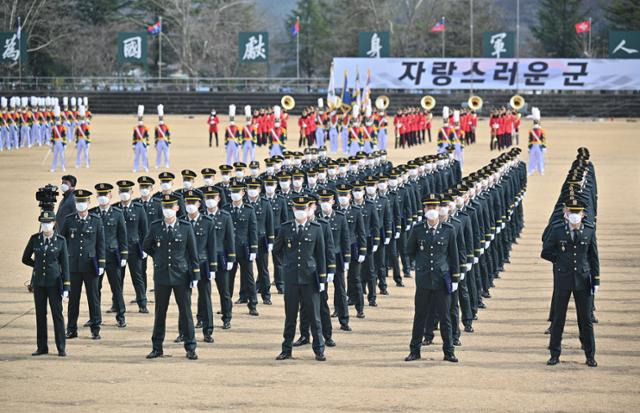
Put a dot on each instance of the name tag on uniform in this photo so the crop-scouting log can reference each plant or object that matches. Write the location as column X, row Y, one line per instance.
column 288, row 243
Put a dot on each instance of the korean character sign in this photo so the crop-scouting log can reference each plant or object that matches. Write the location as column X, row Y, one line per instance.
column 491, row 73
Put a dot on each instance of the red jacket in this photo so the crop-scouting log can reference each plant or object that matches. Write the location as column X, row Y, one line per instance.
column 213, row 122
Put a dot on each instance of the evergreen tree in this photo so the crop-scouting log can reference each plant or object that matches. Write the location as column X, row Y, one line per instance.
column 555, row 31
column 623, row 14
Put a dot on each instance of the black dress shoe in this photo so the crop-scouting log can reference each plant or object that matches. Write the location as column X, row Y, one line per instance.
column 457, row 343
column 241, row 301
column 360, row 314
column 320, row 357
column 350, row 303
column 280, row 291
column 95, row 336
column 591, row 362
column 191, row 355
column 218, row 312
column 208, row 338
column 62, row 353
column 399, row 284
column 384, row 292
column 548, row 330
column 373, row 304
column 427, row 342
column 345, row 327
column 450, row 358
column 284, row 356
column 121, row 323
column 329, row 342
column 40, row 352
column 407, row 276
column 143, row 310
column 301, row 341
column 71, row 335
column 412, row 357
column 553, row 361
column 468, row 329
column 199, row 324
column 486, row 295
column 254, row 312
column 267, row 302
column 154, row 354
column 334, row 314
column 179, row 339
column 133, row 302
column 482, row 305
column 111, row 310
column 594, row 320
column 226, row 325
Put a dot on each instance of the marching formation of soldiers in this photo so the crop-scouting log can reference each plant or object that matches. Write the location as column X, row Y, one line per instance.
column 569, row 242
column 412, row 126
column 504, row 125
column 140, row 142
column 35, row 121
column 347, row 221
column 458, row 129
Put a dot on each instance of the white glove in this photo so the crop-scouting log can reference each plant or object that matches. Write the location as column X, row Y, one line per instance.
column 595, row 289
column 269, row 247
column 481, row 251
column 407, row 228
column 454, row 287
column 498, row 230
column 321, row 287
column 486, row 244
column 493, row 236
column 476, row 260
column 212, row 275
column 123, row 262
column 229, row 266
column 194, row 283
column 330, row 277
column 375, row 248
column 397, row 236
column 420, row 218
column 100, row 271
column 468, row 266
column 462, row 274
column 65, row 295
column 144, row 255
column 360, row 258
column 387, row 241
column 503, row 225
column 346, row 266
column 252, row 256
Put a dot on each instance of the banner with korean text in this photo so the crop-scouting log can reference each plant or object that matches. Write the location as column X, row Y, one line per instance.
column 461, row 73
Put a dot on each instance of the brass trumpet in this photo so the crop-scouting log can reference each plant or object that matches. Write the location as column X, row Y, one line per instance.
column 288, row 102
column 428, row 102
column 475, row 102
column 516, row 102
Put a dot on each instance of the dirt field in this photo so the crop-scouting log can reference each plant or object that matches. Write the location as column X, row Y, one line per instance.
column 502, row 365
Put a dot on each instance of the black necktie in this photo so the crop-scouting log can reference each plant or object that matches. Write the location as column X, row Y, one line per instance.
column 103, row 213
column 573, row 235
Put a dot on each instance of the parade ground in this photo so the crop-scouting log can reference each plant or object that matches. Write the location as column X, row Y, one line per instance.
column 502, row 365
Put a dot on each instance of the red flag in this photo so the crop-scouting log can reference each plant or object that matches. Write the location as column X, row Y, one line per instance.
column 583, row 27
column 438, row 27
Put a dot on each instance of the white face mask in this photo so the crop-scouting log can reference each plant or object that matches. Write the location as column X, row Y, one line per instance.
column 236, row 196
column 270, row 170
column 393, row 183
column 211, row 203
column 191, row 208
column 239, row 174
column 459, row 202
column 343, row 200
column 322, row 175
column 371, row 190
column 332, row 171
column 64, row 188
column 168, row 212
column 208, row 181
column 270, row 189
column 165, row 186
column 287, row 162
column 297, row 162
column 413, row 173
column 254, row 172
column 431, row 214
column 382, row 186
column 297, row 183
column 145, row 191
column 253, row 193
column 125, row 196
column 358, row 195
column 300, row 214
column 187, row 184
column 285, row 185
column 342, row 169
column 444, row 211
column 226, row 178
column 353, row 168
column 440, row 163
column 326, row 207
column 103, row 200
column 311, row 213
column 311, row 181
column 46, row 227
column 575, row 218
column 429, row 167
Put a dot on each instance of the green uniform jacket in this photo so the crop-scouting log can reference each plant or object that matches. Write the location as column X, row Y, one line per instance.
column 115, row 235
column 85, row 243
column 225, row 238
column 303, row 254
column 246, row 229
column 437, row 259
column 51, row 264
column 205, row 233
column 135, row 218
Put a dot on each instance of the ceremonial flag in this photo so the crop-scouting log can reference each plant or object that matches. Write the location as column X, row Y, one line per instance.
column 583, row 27
column 331, row 89
column 358, row 95
column 295, row 30
column 155, row 29
column 346, row 96
column 366, row 94
column 438, row 27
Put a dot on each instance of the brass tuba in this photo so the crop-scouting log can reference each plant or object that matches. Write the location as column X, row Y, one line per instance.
column 516, row 102
column 475, row 102
column 288, row 102
column 382, row 102
column 428, row 102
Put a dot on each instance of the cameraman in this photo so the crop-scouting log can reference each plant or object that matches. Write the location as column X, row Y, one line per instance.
column 68, row 203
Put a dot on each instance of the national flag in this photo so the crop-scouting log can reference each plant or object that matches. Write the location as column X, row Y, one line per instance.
column 331, row 89
column 438, row 27
column 19, row 32
column 295, row 29
column 155, row 29
column 583, row 27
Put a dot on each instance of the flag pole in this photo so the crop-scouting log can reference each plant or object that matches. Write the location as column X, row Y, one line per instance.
column 589, row 44
column 517, row 42
column 443, row 30
column 160, row 49
column 298, row 49
column 471, row 40
column 20, row 51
